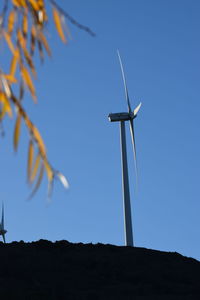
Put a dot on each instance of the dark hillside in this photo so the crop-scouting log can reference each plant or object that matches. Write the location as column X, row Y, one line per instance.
column 61, row 270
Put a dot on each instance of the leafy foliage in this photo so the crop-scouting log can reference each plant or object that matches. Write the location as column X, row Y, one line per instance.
column 22, row 24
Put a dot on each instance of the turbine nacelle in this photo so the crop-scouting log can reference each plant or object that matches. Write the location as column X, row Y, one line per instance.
column 123, row 116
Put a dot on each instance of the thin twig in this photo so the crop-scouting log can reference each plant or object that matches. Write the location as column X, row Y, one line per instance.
column 72, row 20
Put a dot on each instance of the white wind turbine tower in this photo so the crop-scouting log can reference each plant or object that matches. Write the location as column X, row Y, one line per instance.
column 122, row 117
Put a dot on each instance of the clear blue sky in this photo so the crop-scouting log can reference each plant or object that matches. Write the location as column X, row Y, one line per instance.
column 159, row 43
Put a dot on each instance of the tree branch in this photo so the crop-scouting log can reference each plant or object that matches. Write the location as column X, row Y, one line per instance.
column 72, row 20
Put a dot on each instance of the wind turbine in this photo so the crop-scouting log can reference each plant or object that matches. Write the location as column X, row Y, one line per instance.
column 122, row 117
column 2, row 230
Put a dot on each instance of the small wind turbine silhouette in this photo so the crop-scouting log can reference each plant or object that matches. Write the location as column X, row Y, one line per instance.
column 2, row 230
column 122, row 117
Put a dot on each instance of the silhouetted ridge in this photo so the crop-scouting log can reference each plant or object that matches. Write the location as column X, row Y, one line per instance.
column 62, row 270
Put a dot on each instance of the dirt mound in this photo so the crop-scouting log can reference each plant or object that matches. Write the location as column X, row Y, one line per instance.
column 62, row 270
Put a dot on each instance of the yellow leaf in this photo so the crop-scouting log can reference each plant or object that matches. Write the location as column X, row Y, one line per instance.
column 29, row 124
column 23, row 3
column 35, row 168
column 58, row 24
column 2, row 95
column 48, row 170
column 30, row 160
column 11, row 21
column 41, row 4
column 9, row 42
column 19, row 3
column 30, row 62
column 45, row 43
column 27, row 79
column 39, row 140
column 21, row 39
column 6, row 105
column 14, row 62
column 25, row 25
column 34, row 4
column 17, row 131
column 16, row 3
column 33, row 38
column 11, row 78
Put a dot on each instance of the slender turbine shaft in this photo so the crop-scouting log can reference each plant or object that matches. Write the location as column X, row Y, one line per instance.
column 125, row 185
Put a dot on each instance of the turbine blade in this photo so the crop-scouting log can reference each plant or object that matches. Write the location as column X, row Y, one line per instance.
column 137, row 109
column 134, row 149
column 4, row 239
column 2, row 218
column 125, row 85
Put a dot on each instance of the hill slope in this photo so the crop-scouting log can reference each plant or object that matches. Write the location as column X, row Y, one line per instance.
column 62, row 270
